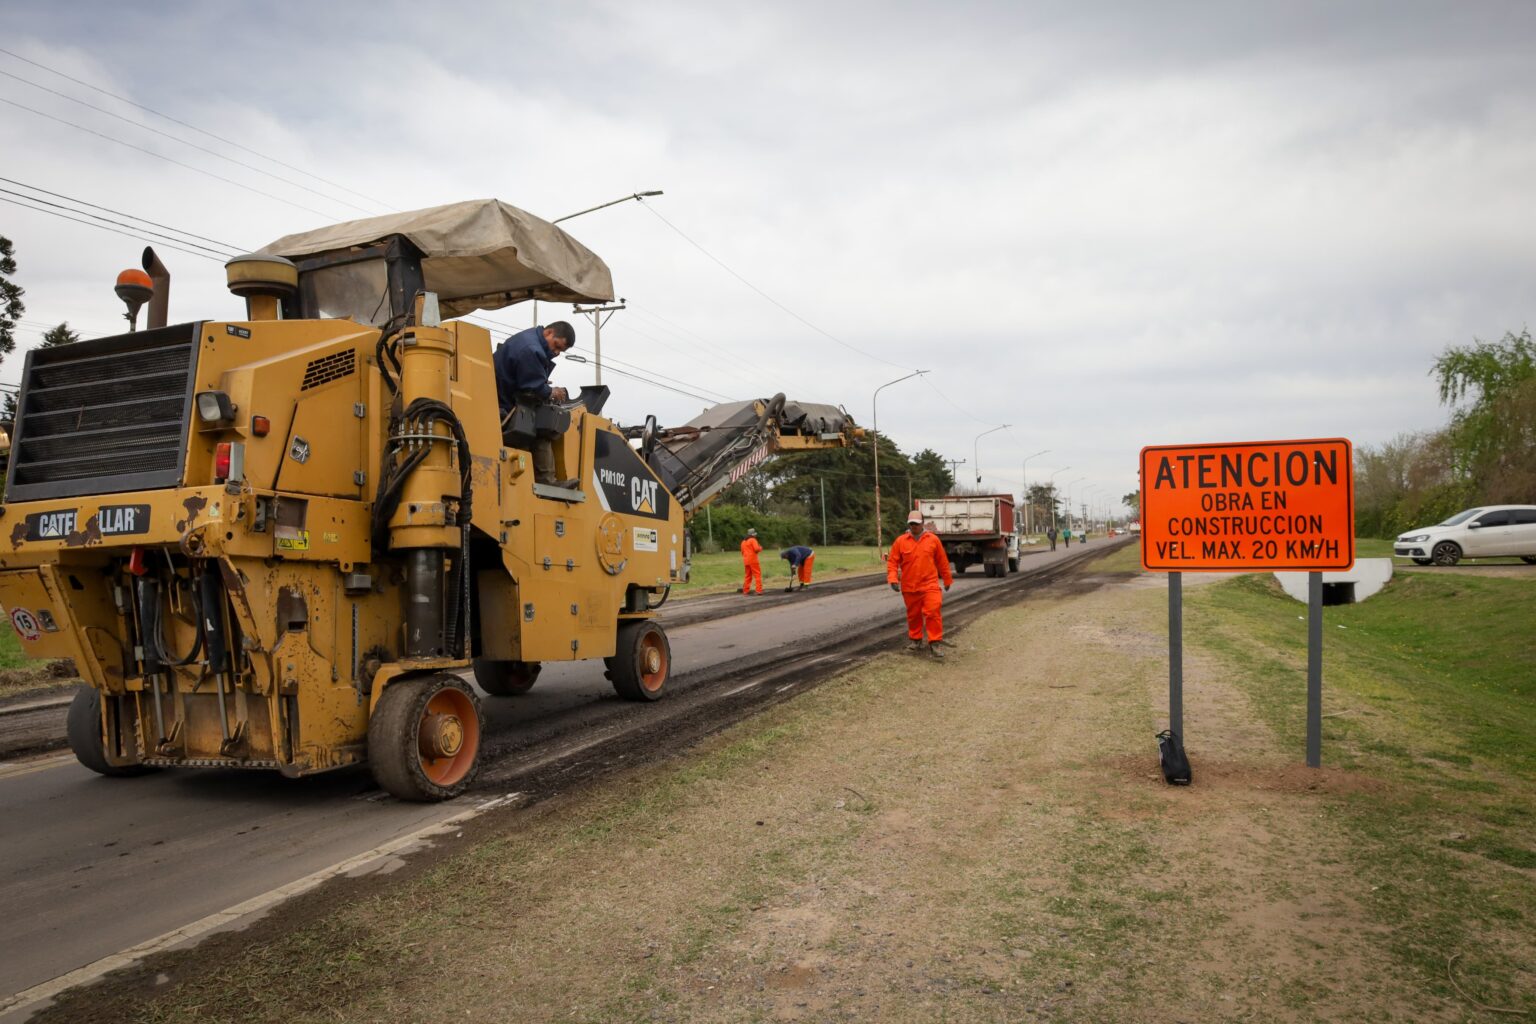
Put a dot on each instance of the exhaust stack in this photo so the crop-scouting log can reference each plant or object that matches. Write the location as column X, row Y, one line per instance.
column 160, row 303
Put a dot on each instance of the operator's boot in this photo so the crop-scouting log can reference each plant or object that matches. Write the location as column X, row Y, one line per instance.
column 544, row 466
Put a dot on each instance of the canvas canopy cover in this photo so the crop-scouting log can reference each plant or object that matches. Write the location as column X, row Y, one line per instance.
column 480, row 254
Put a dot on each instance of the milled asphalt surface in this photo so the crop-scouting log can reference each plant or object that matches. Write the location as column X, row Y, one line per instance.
column 90, row 866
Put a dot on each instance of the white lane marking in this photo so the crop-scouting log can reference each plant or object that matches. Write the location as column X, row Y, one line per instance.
column 28, row 998
column 15, row 768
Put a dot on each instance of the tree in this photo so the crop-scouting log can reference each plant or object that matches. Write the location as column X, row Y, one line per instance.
column 60, row 335
column 931, row 476
column 1491, row 386
column 1043, row 502
column 1132, row 501
column 11, row 306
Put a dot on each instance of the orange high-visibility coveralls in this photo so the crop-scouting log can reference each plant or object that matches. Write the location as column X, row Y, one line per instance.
column 750, row 549
column 922, row 564
column 805, row 568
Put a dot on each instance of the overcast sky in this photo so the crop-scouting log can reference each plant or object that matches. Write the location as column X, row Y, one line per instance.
column 1107, row 225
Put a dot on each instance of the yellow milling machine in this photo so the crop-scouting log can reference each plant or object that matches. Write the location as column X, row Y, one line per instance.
column 279, row 542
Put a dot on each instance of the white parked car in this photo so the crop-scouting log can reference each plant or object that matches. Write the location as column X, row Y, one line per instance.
column 1490, row 531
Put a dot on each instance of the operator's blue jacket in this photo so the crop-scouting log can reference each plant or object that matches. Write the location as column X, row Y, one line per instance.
column 522, row 363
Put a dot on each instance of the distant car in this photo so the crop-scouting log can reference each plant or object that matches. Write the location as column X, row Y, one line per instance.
column 1489, row 531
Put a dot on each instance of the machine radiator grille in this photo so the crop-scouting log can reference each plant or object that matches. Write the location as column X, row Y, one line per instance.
column 328, row 368
column 102, row 416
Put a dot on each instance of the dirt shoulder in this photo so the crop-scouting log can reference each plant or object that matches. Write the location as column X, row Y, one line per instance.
column 986, row 839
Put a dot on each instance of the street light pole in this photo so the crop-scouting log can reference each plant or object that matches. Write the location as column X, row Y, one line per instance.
column 874, row 421
column 1069, row 498
column 1051, row 483
column 639, row 196
column 976, row 449
column 1025, row 474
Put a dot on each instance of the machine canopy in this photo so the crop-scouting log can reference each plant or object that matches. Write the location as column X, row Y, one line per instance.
column 480, row 254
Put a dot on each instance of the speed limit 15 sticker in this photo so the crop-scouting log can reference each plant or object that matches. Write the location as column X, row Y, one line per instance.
column 27, row 626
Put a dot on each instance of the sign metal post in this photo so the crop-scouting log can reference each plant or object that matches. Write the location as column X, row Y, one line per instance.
column 1176, row 654
column 1314, row 669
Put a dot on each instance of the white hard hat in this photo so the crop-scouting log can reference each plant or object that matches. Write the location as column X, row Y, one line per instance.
column 914, row 516
column 751, row 533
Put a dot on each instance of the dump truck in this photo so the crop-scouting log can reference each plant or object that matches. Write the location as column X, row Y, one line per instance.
column 975, row 529
column 283, row 541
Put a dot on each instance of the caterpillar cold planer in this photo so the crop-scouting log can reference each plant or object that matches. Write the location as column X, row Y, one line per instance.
column 278, row 542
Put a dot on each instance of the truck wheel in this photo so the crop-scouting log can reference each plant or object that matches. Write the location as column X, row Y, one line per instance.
column 424, row 738
column 640, row 666
column 83, row 729
column 1013, row 565
column 506, row 678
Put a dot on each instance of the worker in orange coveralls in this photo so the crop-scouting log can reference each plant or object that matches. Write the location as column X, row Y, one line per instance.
column 919, row 559
column 750, row 549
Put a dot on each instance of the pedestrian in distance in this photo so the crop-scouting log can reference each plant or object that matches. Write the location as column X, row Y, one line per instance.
column 1050, row 533
column 1066, row 536
column 917, row 558
column 800, row 559
column 750, row 549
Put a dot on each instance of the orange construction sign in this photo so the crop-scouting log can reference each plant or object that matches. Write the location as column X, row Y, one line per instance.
column 1251, row 505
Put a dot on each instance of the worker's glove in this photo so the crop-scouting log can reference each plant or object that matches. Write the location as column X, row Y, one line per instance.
column 896, row 587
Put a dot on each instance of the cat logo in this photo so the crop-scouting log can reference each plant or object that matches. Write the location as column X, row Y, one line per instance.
column 51, row 525
column 642, row 495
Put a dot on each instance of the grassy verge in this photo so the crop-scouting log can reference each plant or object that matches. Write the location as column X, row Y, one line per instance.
column 722, row 570
column 21, row 674
column 1429, row 685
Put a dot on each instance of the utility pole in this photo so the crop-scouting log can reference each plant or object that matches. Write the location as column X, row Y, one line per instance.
column 595, row 314
column 954, row 468
column 823, row 511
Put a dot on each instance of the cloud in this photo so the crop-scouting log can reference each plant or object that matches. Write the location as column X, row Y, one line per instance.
column 1112, row 226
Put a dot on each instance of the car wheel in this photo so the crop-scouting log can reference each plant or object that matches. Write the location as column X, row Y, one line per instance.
column 1447, row 553
column 1423, row 561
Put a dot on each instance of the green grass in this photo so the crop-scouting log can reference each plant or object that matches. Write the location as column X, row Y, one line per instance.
column 1430, row 688
column 723, row 570
column 11, row 655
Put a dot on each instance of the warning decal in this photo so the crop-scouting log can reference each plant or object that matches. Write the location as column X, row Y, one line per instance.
column 1252, row 505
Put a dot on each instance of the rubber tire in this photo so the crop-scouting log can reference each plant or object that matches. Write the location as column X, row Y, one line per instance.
column 1446, row 553
column 393, row 753
column 1423, row 561
column 1013, row 565
column 506, row 678
column 82, row 727
column 1528, row 559
column 624, row 668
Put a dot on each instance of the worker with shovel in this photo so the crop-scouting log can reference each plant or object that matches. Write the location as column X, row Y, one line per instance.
column 800, row 559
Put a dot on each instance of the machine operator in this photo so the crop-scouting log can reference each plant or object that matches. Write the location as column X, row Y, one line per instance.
column 523, row 364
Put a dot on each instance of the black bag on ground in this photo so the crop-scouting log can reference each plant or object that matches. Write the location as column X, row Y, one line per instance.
column 1175, row 764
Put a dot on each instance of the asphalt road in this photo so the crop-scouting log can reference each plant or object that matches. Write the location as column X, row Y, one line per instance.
column 90, row 866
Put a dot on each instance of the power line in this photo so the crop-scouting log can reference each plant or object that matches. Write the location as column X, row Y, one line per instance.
column 120, row 213
column 644, row 380
column 512, row 329
column 184, row 142
column 157, row 234
column 115, row 231
column 161, row 156
column 195, row 128
column 721, row 263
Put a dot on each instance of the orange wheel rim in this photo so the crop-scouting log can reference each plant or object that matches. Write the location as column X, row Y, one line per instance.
column 448, row 736
column 653, row 662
